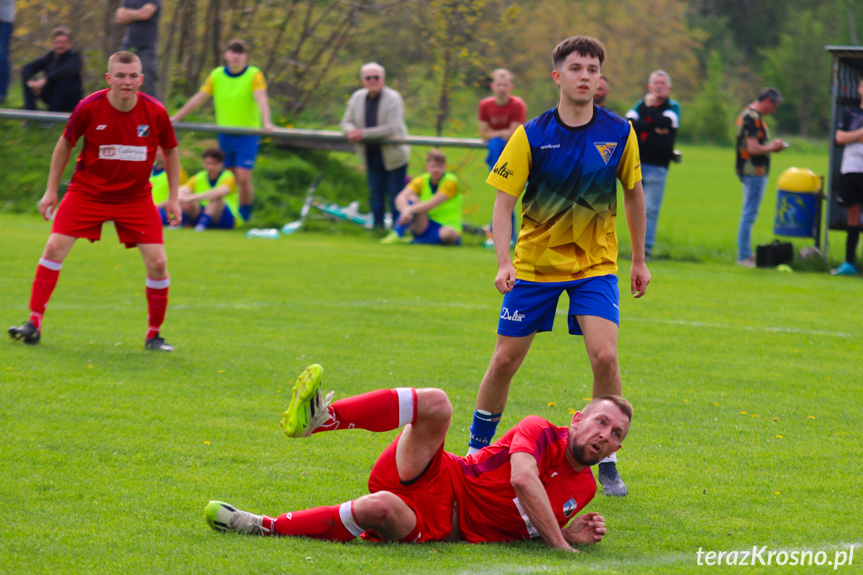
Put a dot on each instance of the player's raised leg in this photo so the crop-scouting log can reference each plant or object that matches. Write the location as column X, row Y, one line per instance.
column 47, row 274
column 509, row 353
column 157, row 285
column 600, row 340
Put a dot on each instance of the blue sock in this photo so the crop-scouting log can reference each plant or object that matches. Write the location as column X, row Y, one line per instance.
column 483, row 428
column 401, row 230
column 204, row 222
column 246, row 212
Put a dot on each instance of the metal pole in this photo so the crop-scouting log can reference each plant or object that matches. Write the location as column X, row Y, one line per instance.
column 287, row 134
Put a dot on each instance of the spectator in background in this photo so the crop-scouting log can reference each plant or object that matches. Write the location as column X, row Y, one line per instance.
column 849, row 133
column 209, row 198
column 7, row 19
column 59, row 85
column 499, row 116
column 141, row 19
column 430, row 206
column 753, row 165
column 239, row 94
column 656, row 119
column 375, row 112
column 601, row 93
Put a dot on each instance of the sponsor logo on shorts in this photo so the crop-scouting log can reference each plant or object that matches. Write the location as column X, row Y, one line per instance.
column 605, row 149
column 569, row 507
column 503, row 171
column 123, row 153
column 514, row 316
column 143, row 131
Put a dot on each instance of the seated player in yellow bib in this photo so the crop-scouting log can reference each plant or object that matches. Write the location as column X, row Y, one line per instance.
column 209, row 198
column 159, row 181
column 430, row 206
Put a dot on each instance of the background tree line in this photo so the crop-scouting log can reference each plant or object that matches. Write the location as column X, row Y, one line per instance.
column 439, row 53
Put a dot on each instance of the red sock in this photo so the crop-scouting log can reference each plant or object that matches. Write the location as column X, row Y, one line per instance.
column 157, row 303
column 47, row 273
column 336, row 523
column 381, row 410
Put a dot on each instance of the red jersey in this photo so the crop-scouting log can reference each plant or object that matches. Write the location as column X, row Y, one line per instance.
column 500, row 117
column 119, row 147
column 488, row 509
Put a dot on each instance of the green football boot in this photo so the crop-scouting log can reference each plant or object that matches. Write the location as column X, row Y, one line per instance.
column 224, row 517
column 308, row 408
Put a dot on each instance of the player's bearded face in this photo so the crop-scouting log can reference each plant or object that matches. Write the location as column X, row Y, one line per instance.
column 597, row 435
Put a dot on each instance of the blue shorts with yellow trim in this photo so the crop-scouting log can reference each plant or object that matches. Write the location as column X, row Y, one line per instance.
column 530, row 306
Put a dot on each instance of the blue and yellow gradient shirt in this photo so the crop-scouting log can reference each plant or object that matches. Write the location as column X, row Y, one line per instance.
column 569, row 206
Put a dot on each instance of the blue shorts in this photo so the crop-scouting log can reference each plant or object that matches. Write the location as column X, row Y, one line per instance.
column 240, row 151
column 432, row 235
column 530, row 306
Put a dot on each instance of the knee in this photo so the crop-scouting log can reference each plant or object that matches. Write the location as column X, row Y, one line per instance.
column 448, row 236
column 604, row 359
column 505, row 362
column 157, row 265
column 433, row 404
column 376, row 510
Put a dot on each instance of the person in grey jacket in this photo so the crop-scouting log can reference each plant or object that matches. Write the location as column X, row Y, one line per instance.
column 376, row 112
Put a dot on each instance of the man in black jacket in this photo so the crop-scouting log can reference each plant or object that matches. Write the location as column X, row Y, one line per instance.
column 60, row 84
column 656, row 120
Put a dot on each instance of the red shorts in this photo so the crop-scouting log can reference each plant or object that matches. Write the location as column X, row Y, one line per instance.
column 81, row 216
column 431, row 495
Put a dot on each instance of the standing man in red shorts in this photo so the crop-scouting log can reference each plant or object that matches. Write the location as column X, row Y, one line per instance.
column 530, row 484
column 121, row 130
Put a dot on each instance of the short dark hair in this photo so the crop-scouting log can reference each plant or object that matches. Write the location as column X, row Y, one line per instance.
column 214, row 153
column 624, row 406
column 771, row 94
column 123, row 57
column 237, row 46
column 583, row 45
column 61, row 31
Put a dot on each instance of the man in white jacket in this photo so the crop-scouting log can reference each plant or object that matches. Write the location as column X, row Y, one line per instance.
column 374, row 113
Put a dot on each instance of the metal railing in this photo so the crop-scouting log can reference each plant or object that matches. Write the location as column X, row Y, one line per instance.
column 295, row 135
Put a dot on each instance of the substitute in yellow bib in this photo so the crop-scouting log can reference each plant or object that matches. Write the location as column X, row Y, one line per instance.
column 209, row 198
column 159, row 181
column 430, row 206
column 564, row 164
column 240, row 99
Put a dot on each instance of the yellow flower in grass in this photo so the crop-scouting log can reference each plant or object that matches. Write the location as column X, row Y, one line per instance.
column 551, row 404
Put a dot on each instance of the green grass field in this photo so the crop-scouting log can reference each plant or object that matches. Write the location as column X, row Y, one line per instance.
column 745, row 385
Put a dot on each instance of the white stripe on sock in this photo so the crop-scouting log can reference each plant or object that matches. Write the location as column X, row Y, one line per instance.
column 406, row 405
column 158, row 284
column 51, row 265
column 347, row 517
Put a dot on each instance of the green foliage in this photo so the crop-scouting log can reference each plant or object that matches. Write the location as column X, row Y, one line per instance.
column 710, row 115
column 800, row 68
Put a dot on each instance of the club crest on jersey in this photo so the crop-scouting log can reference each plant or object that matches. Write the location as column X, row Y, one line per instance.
column 569, row 507
column 605, row 149
column 144, row 131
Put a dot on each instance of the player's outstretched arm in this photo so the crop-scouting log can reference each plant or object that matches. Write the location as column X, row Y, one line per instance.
column 59, row 159
column 501, row 223
column 534, row 500
column 193, row 104
column 263, row 102
column 585, row 529
column 639, row 275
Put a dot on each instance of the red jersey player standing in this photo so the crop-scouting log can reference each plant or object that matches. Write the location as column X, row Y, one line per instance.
column 529, row 484
column 121, row 130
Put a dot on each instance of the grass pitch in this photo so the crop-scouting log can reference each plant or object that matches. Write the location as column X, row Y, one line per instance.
column 745, row 385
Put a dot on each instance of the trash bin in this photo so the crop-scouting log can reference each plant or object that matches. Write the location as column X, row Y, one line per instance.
column 797, row 204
